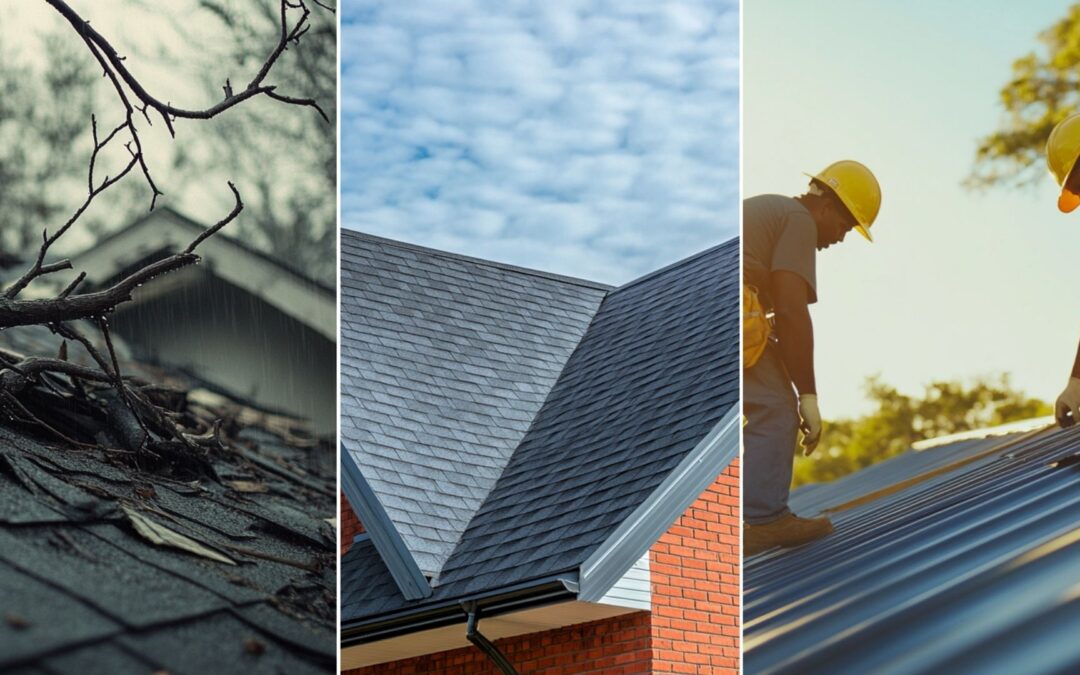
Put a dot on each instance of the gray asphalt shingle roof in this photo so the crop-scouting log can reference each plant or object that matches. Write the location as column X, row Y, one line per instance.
column 655, row 371
column 445, row 361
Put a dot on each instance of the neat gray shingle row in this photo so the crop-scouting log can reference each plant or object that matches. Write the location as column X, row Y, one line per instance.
column 656, row 370
column 445, row 362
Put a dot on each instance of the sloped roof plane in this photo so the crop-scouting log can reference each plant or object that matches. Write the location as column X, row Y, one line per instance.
column 636, row 415
column 445, row 361
column 651, row 377
column 971, row 566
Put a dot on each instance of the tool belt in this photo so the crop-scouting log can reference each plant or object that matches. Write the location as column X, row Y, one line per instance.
column 755, row 327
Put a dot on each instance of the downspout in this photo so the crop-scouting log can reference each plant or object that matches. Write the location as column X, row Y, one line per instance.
column 472, row 632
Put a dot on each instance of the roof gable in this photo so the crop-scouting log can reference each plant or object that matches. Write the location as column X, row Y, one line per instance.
column 445, row 362
column 230, row 259
column 643, row 397
column 656, row 372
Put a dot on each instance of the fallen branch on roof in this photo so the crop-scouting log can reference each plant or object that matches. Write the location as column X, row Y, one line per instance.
column 77, row 403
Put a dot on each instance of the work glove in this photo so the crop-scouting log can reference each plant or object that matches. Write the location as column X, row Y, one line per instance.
column 1068, row 402
column 809, row 423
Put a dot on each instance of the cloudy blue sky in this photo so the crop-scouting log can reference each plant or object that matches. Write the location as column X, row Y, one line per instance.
column 586, row 137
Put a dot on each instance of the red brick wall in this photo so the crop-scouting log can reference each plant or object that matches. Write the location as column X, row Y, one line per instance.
column 693, row 626
column 617, row 646
column 694, row 568
column 350, row 525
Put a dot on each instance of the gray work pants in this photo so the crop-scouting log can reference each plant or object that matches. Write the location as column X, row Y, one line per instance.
column 769, row 438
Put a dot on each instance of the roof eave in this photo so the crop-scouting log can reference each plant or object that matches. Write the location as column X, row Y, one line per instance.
column 545, row 590
column 633, row 538
column 387, row 540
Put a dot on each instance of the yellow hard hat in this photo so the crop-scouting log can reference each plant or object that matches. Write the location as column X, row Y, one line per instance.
column 1062, row 150
column 857, row 188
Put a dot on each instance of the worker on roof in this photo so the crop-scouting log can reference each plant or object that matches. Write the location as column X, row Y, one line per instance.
column 781, row 237
column 1062, row 153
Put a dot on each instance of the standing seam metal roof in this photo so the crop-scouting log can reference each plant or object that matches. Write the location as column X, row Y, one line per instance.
column 974, row 569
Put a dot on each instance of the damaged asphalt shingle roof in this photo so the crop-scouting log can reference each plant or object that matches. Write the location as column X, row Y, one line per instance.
column 656, row 370
column 83, row 591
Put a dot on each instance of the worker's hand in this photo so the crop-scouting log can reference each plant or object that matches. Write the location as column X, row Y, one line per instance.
column 1068, row 403
column 809, row 423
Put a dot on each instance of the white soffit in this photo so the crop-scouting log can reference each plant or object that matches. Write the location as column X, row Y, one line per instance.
column 533, row 620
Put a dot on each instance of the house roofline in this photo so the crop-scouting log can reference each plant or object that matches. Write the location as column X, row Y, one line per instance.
column 190, row 222
column 533, row 593
column 387, row 540
column 734, row 241
column 591, row 581
column 231, row 261
column 575, row 281
column 633, row 538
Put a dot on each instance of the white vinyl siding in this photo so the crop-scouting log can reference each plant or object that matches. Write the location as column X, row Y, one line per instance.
column 634, row 589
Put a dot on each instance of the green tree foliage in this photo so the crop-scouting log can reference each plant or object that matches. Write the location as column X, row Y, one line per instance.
column 1044, row 89
column 944, row 408
column 44, row 114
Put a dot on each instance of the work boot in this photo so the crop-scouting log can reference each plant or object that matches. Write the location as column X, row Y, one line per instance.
column 787, row 530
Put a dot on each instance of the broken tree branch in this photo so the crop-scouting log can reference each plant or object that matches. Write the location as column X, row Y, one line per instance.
column 91, row 305
column 148, row 422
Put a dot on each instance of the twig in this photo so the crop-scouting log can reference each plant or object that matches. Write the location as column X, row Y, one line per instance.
column 91, row 305
column 167, row 111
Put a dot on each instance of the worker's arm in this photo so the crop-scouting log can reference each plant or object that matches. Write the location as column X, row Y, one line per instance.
column 791, row 298
column 1067, row 406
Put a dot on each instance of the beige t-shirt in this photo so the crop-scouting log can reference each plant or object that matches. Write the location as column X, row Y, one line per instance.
column 778, row 234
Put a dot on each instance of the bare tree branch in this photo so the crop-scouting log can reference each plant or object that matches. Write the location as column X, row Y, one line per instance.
column 168, row 111
column 98, row 303
column 138, row 414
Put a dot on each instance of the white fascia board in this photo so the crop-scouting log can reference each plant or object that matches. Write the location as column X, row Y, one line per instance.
column 377, row 524
column 633, row 538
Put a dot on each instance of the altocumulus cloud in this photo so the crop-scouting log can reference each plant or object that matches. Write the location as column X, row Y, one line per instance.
column 589, row 138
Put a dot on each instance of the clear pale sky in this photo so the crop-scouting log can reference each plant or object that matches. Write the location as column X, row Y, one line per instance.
column 957, row 283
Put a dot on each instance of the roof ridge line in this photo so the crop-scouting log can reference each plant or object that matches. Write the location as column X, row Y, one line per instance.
column 678, row 263
column 577, row 281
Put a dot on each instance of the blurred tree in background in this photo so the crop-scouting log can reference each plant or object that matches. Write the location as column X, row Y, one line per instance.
column 291, row 196
column 43, row 115
column 944, row 408
column 1044, row 89
column 49, row 89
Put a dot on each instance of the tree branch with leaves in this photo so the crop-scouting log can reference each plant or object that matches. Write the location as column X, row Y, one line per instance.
column 1043, row 90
